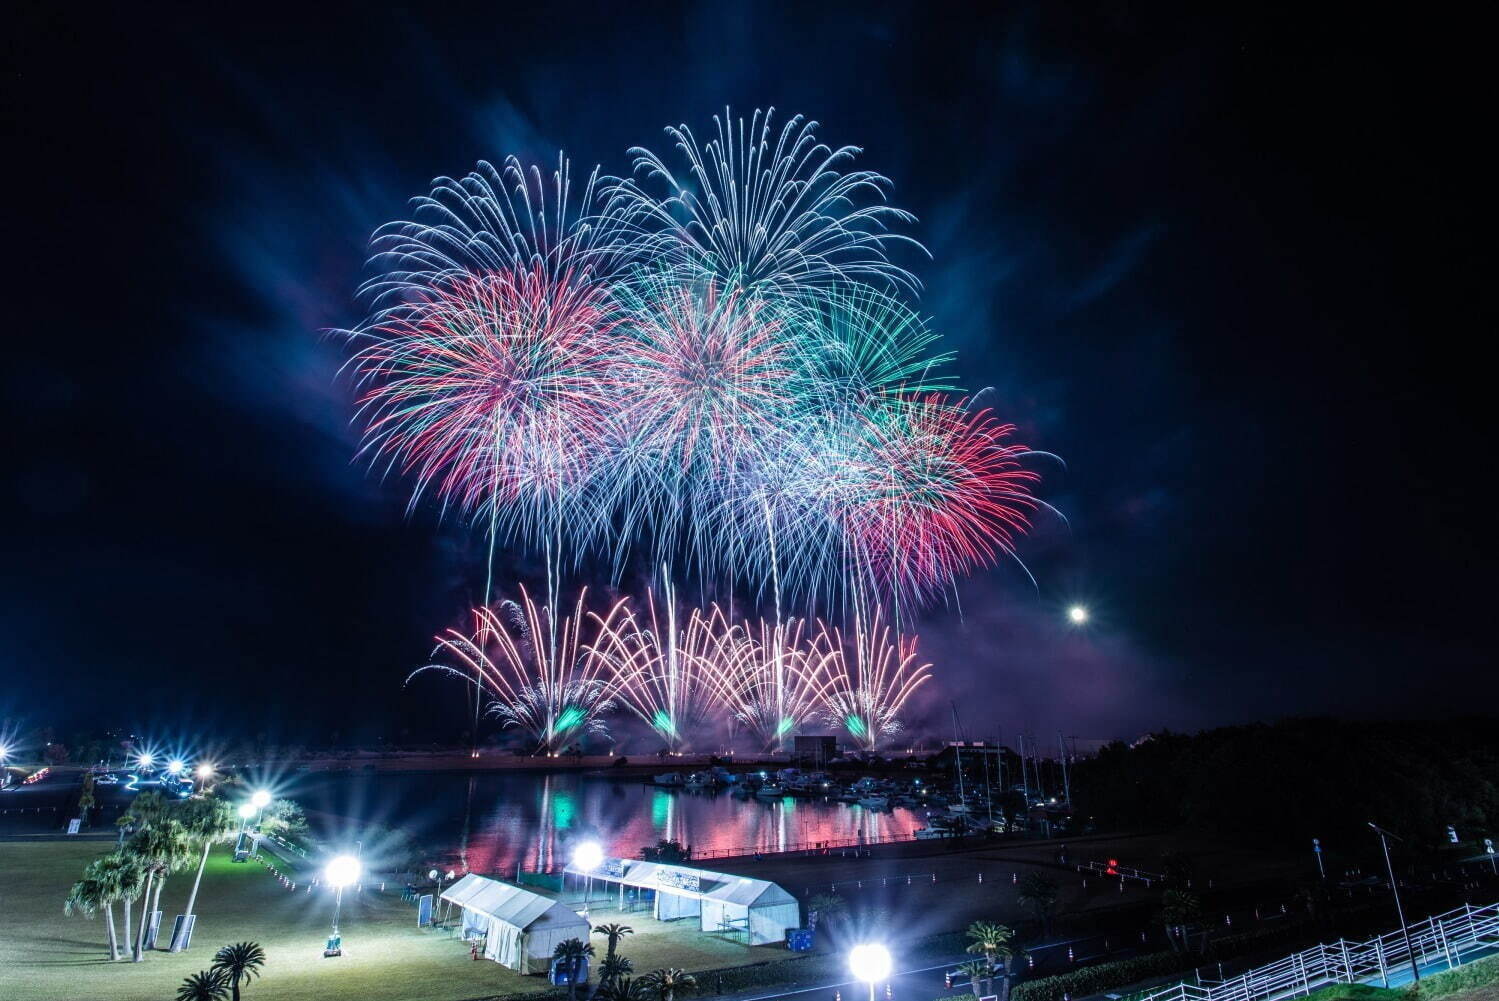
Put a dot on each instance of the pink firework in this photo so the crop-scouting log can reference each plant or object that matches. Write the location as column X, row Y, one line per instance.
column 933, row 492
column 488, row 389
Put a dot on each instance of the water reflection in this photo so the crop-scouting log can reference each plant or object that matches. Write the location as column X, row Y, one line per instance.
column 494, row 823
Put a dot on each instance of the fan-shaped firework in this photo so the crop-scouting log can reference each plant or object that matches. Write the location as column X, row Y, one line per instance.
column 539, row 671
column 662, row 666
column 772, row 680
column 763, row 212
column 875, row 672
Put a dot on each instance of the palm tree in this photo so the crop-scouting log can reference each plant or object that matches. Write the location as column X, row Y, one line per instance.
column 205, row 985
column 127, row 877
column 571, row 953
column 240, row 962
column 824, row 905
column 976, row 970
column 662, row 985
column 1178, row 908
column 162, row 847
column 146, row 809
column 87, row 896
column 109, row 873
column 995, row 942
column 1039, row 895
column 207, row 820
column 614, row 967
column 623, row 989
column 613, row 932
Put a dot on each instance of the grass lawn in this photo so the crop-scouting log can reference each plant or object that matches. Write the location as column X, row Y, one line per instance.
column 44, row 955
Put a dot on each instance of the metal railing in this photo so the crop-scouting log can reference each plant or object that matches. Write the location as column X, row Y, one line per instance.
column 1444, row 938
column 1121, row 871
column 791, row 848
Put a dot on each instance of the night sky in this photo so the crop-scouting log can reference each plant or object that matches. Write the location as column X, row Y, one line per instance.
column 1212, row 259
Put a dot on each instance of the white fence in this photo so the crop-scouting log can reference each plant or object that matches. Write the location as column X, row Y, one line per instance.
column 1442, row 942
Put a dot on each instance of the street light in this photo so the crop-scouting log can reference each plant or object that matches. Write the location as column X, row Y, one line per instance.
column 175, row 766
column 870, row 963
column 587, row 857
column 1395, row 889
column 1078, row 615
column 341, row 872
column 146, row 759
column 260, row 799
column 205, row 770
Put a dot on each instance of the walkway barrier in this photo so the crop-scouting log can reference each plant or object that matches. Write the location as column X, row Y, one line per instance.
column 1441, row 942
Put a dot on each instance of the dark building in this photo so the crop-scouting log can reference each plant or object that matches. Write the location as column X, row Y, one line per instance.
column 816, row 750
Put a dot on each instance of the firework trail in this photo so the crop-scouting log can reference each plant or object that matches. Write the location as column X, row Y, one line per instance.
column 553, row 691
column 769, row 213
column 873, row 673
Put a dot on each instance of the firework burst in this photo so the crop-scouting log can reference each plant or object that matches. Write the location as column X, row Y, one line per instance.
column 931, row 491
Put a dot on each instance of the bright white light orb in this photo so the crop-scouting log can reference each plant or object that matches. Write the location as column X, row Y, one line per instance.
column 175, row 766
column 261, row 799
column 869, row 962
column 1078, row 615
column 205, row 770
column 588, row 856
column 246, row 811
column 146, row 758
column 432, row 873
column 342, row 871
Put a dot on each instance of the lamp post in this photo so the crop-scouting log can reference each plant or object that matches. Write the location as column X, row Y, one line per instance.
column 1384, row 843
column 870, row 963
column 341, row 872
column 587, row 857
column 204, row 772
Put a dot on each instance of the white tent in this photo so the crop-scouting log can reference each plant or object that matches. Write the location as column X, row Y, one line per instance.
column 722, row 902
column 520, row 928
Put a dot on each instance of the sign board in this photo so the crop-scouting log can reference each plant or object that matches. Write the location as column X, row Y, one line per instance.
column 613, row 867
column 1317, row 845
column 680, row 880
column 424, row 911
column 1452, row 834
column 73, row 825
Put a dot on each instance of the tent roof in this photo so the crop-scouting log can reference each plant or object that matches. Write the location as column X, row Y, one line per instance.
column 513, row 905
column 742, row 890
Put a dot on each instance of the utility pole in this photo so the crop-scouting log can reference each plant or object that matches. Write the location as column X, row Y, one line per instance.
column 1025, row 782
column 1066, row 780
column 1384, row 835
